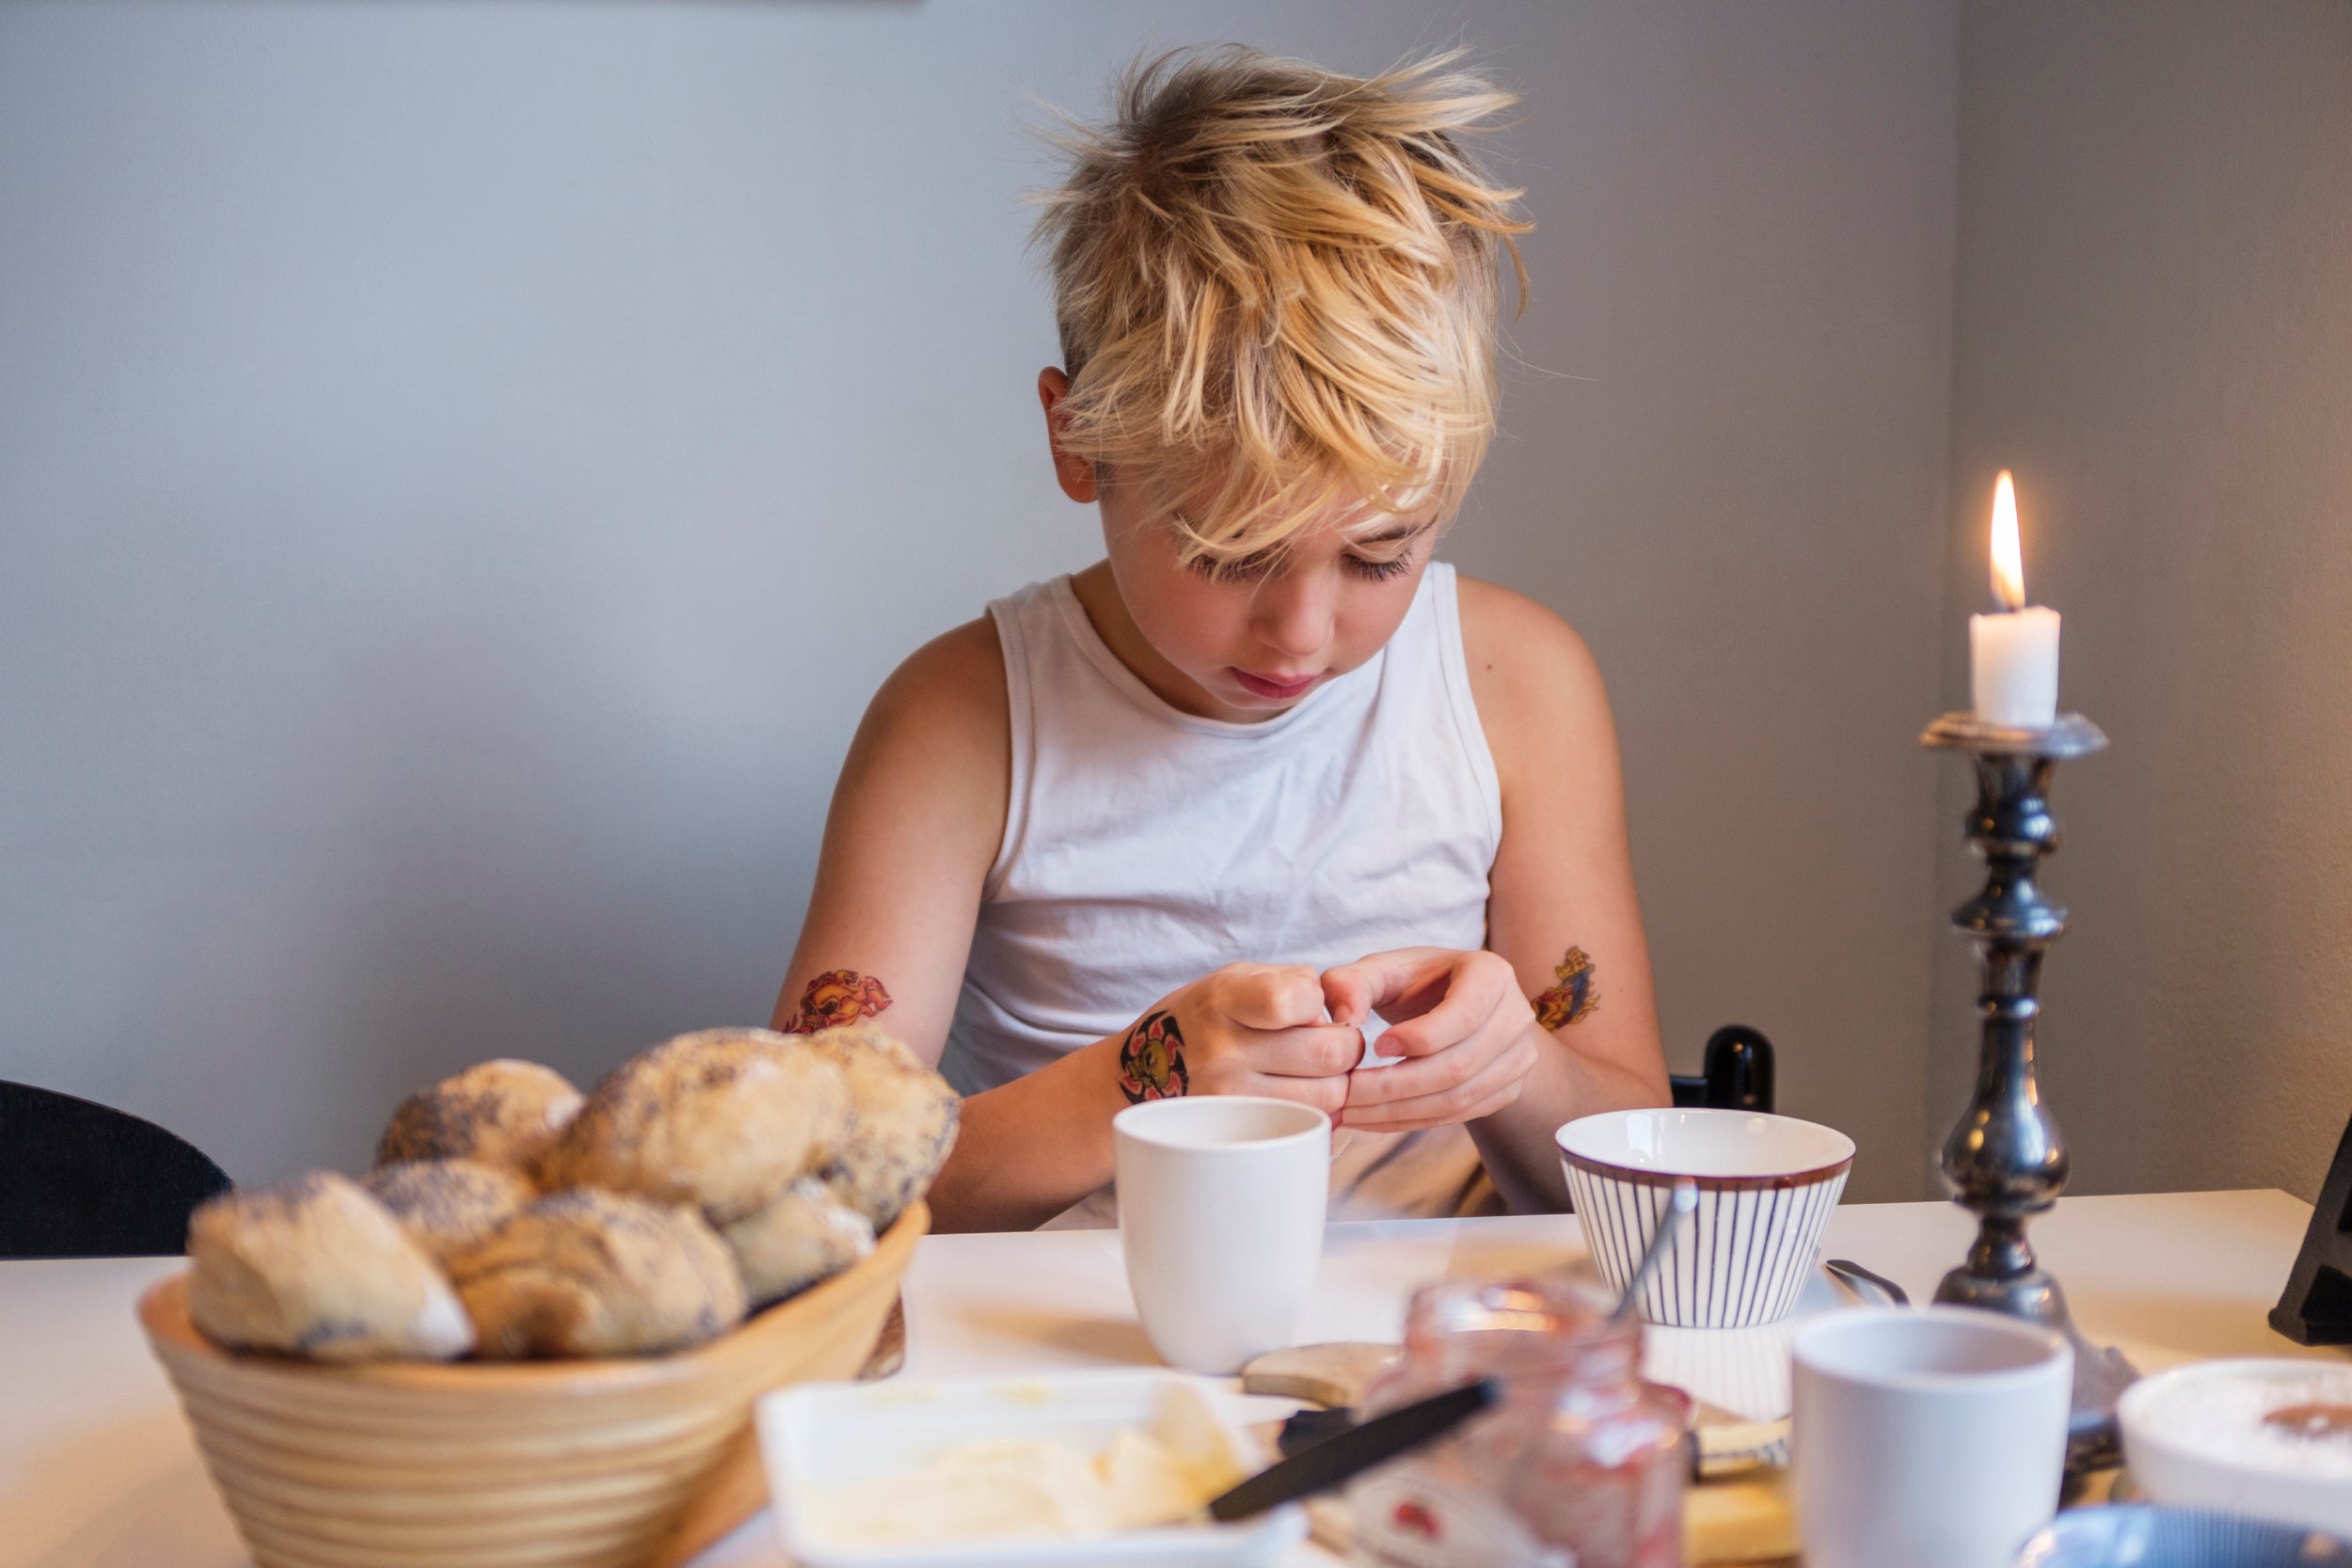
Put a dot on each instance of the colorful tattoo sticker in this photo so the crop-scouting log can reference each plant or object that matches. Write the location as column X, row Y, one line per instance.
column 1573, row 998
column 1152, row 1060
column 836, row 997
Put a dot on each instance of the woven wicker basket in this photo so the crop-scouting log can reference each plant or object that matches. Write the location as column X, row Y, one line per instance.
column 621, row 1463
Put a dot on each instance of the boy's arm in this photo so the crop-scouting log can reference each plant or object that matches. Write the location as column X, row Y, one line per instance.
column 1561, row 905
column 916, row 820
column 1574, row 979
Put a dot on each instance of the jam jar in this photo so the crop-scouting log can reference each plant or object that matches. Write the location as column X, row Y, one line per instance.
column 1578, row 1464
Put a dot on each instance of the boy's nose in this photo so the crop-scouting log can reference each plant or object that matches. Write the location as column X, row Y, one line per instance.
column 1294, row 614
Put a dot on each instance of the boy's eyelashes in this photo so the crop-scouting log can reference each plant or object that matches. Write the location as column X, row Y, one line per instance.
column 1379, row 571
column 1240, row 569
column 1248, row 567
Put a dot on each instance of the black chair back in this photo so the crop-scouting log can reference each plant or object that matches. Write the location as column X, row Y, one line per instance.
column 79, row 1179
column 1738, row 1075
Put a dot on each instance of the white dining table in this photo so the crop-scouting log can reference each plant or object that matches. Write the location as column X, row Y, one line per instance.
column 97, row 1469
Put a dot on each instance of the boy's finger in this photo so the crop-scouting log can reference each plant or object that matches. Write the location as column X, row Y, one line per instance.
column 1489, row 1088
column 1383, row 980
column 1279, row 996
column 1316, row 1051
column 1417, row 1077
column 1347, row 994
column 1472, row 988
column 1327, row 1094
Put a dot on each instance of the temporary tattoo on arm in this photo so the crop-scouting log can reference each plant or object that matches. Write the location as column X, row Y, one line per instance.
column 1152, row 1060
column 836, row 997
column 1572, row 998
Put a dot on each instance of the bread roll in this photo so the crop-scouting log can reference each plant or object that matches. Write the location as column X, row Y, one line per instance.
column 724, row 1120
column 314, row 1266
column 598, row 1273
column 448, row 1205
column 902, row 1122
column 501, row 1113
column 804, row 1235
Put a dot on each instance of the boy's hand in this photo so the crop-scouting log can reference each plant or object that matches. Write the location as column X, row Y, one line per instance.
column 1244, row 1029
column 1459, row 1020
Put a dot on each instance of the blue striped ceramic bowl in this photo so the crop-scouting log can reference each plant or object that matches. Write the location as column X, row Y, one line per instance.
column 1766, row 1184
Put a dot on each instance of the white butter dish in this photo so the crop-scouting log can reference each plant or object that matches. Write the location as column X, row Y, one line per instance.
column 820, row 1436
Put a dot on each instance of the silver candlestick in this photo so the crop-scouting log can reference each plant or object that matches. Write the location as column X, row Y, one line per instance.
column 2005, row 1161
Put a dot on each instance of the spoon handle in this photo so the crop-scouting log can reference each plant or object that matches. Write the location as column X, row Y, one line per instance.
column 1680, row 1199
column 1848, row 1271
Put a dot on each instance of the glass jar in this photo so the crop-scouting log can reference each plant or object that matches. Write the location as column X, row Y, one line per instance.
column 1580, row 1465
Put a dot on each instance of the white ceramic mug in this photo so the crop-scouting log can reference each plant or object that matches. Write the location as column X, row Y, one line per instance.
column 1220, row 1213
column 1932, row 1438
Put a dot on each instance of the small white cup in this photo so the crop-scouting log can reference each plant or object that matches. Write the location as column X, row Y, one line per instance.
column 1931, row 1438
column 1220, row 1213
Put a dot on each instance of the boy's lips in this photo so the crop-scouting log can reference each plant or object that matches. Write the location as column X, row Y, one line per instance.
column 1272, row 688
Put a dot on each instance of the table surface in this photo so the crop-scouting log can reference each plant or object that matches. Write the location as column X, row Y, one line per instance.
column 97, row 1471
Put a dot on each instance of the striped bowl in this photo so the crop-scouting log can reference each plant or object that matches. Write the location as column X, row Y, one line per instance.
column 1766, row 1184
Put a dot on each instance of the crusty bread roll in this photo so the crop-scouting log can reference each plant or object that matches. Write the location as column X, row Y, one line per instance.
column 900, row 1125
column 598, row 1273
column 802, row 1236
column 448, row 1206
column 724, row 1120
column 314, row 1266
column 501, row 1113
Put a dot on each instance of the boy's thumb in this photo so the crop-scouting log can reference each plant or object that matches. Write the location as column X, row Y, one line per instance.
column 1347, row 994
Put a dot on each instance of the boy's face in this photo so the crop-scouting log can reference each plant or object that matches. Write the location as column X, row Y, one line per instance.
column 1252, row 638
column 1244, row 641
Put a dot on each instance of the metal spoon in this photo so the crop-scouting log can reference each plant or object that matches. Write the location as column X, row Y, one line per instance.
column 1853, row 1273
column 1680, row 1201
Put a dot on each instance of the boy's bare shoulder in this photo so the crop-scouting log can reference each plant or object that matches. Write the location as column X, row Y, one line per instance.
column 951, row 686
column 939, row 728
column 1524, row 660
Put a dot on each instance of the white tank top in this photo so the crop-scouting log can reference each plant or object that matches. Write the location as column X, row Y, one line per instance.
column 1145, row 847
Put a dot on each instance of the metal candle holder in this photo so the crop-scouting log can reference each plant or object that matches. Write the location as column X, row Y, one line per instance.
column 2005, row 1161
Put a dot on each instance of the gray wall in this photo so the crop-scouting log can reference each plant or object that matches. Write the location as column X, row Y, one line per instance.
column 463, row 467
column 2154, row 330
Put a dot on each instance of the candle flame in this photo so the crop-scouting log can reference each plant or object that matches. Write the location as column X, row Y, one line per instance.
column 2008, row 566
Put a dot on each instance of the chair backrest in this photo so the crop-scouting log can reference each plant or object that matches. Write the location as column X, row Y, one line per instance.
column 78, row 1179
column 1738, row 1075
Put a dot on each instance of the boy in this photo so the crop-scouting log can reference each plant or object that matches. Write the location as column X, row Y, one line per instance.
column 1191, row 820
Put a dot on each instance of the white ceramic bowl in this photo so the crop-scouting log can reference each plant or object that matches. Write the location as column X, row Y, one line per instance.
column 1766, row 1184
column 2175, row 1427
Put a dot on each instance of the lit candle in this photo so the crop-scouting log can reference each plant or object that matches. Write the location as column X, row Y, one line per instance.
column 2012, row 654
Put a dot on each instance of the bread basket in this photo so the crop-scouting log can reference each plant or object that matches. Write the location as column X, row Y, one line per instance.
column 620, row 1464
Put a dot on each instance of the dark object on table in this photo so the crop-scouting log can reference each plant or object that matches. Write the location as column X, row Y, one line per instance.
column 1349, row 1454
column 1306, row 1428
column 1853, row 1273
column 2004, row 1161
column 79, row 1179
column 1737, row 1074
column 2138, row 1536
column 2316, row 1306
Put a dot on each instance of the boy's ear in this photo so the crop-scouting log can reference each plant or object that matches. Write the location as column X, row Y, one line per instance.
column 1075, row 473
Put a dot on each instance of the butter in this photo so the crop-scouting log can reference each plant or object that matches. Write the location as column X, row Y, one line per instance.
column 1000, row 1488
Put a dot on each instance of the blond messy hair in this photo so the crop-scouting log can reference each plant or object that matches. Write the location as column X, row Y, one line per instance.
column 1275, row 287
